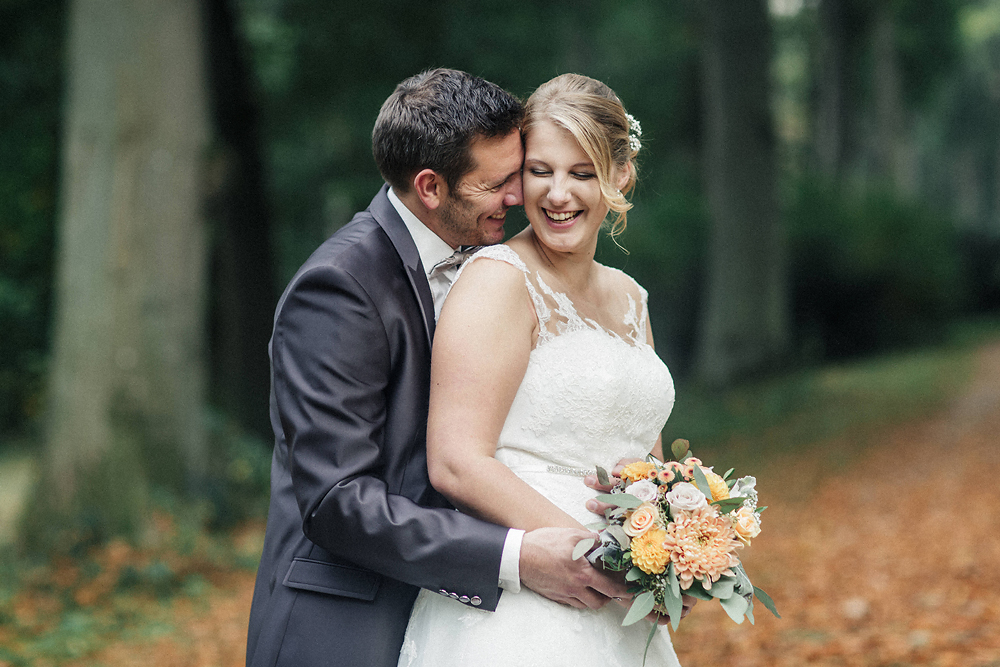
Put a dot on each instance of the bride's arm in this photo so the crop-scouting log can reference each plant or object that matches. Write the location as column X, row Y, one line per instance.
column 481, row 348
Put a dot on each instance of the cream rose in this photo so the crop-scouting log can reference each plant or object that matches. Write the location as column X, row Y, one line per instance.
column 685, row 497
column 644, row 490
column 642, row 519
column 745, row 524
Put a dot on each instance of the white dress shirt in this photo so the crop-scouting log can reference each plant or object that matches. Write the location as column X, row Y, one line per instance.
column 432, row 250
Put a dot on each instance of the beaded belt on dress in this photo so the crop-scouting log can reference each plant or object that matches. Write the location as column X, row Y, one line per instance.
column 563, row 470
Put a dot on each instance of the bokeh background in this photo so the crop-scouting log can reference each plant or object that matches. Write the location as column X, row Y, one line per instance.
column 817, row 222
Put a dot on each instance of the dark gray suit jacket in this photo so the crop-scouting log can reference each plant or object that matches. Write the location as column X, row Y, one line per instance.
column 354, row 527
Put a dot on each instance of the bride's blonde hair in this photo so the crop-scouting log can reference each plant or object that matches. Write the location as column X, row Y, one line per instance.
column 594, row 115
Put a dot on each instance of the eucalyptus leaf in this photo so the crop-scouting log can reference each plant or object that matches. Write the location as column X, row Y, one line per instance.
column 602, row 477
column 743, row 585
column 618, row 533
column 675, row 586
column 641, row 606
column 701, row 482
column 679, row 448
column 649, row 640
column 696, row 591
column 674, row 605
column 766, row 600
column 749, row 611
column 582, row 547
column 626, row 500
column 726, row 476
column 727, row 505
column 723, row 588
column 735, row 606
column 633, row 574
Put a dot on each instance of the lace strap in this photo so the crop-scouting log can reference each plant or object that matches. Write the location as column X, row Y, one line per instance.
column 636, row 317
column 504, row 253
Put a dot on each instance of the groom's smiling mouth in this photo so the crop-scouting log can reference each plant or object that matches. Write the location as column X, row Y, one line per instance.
column 561, row 217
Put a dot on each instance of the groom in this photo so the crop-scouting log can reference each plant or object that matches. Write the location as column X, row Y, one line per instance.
column 354, row 527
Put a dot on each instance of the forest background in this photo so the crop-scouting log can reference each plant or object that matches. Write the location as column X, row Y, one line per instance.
column 819, row 183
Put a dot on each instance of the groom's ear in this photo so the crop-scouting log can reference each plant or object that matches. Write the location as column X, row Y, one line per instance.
column 430, row 188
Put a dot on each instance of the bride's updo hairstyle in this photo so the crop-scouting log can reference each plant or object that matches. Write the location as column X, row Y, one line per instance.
column 595, row 117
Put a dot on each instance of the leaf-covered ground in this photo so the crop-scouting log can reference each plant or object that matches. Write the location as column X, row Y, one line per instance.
column 881, row 547
column 889, row 558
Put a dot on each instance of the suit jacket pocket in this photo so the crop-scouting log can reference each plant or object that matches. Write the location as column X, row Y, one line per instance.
column 321, row 577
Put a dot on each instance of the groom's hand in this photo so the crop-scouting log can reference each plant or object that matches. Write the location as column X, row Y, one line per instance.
column 591, row 480
column 547, row 567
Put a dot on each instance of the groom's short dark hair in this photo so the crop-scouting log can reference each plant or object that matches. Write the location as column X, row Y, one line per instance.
column 430, row 120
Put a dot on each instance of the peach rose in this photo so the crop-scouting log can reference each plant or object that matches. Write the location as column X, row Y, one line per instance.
column 642, row 519
column 745, row 524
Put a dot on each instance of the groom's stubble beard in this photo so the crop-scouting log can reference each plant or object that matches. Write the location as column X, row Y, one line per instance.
column 459, row 217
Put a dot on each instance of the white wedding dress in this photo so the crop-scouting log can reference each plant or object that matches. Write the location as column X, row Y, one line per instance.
column 589, row 397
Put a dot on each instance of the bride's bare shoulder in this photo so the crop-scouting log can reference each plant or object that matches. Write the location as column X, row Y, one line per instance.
column 619, row 282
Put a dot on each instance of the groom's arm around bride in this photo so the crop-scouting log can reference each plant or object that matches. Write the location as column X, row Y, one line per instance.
column 354, row 526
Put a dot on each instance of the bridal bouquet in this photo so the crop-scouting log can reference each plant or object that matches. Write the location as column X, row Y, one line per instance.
column 677, row 529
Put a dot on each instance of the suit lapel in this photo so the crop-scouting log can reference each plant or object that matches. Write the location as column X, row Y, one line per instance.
column 387, row 217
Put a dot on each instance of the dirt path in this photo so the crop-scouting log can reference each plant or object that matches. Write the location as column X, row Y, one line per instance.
column 887, row 558
column 892, row 560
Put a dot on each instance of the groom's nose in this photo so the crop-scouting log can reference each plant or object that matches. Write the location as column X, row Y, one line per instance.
column 514, row 195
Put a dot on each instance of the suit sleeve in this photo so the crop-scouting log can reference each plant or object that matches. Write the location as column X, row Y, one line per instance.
column 333, row 375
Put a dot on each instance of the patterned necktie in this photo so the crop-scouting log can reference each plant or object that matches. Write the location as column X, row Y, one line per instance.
column 442, row 275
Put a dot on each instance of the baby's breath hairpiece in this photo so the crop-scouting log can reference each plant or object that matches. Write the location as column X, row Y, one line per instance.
column 634, row 132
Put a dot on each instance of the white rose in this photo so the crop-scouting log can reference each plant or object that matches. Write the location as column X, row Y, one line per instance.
column 644, row 490
column 685, row 497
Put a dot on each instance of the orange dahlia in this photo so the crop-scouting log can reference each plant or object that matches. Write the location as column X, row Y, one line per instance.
column 633, row 472
column 718, row 485
column 648, row 553
column 702, row 546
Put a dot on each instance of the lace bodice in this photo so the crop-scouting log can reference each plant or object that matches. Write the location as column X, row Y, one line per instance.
column 589, row 395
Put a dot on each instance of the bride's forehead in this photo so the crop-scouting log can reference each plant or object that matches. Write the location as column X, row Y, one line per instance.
column 546, row 137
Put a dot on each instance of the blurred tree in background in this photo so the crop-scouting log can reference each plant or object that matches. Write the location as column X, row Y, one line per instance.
column 819, row 179
column 745, row 318
column 127, row 380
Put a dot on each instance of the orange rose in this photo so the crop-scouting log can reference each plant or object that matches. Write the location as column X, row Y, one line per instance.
column 642, row 519
column 648, row 553
column 638, row 470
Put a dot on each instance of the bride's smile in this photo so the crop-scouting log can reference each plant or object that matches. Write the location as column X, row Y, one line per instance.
column 562, row 192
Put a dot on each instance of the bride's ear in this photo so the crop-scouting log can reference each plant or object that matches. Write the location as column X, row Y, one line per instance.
column 430, row 188
column 624, row 174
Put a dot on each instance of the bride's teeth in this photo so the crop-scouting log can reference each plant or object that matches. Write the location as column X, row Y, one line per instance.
column 562, row 217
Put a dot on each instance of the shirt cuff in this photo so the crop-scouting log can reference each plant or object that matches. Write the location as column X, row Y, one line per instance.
column 510, row 559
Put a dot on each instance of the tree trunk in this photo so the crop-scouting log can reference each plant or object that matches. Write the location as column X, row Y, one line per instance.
column 894, row 161
column 242, row 268
column 127, row 381
column 831, row 89
column 744, row 327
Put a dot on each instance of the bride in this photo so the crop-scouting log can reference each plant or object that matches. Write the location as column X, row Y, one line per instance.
column 543, row 366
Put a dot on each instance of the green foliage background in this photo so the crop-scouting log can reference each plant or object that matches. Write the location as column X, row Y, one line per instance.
column 869, row 270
